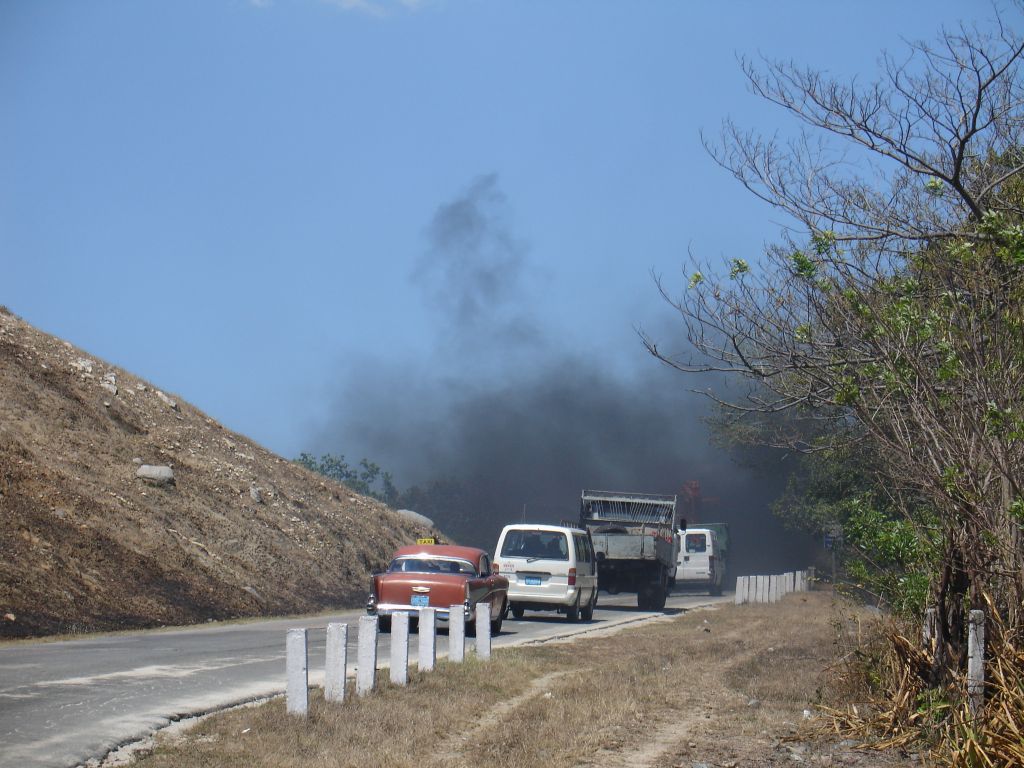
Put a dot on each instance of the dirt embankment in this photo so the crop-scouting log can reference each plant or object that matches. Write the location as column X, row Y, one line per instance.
column 86, row 545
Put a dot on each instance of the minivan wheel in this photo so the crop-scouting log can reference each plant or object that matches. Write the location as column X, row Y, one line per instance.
column 517, row 612
column 384, row 623
column 572, row 613
column 587, row 613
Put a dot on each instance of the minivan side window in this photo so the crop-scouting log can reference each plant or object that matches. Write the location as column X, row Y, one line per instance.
column 581, row 548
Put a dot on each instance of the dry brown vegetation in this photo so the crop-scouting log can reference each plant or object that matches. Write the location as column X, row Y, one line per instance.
column 725, row 687
column 87, row 546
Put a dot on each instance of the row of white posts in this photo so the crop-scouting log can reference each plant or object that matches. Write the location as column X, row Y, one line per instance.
column 769, row 589
column 297, row 653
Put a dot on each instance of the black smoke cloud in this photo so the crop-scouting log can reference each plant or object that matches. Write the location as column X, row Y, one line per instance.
column 506, row 424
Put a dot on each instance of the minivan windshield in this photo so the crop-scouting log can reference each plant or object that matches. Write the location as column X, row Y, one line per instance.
column 696, row 542
column 536, row 545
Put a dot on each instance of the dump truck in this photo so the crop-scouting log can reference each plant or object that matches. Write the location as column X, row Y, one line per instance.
column 636, row 541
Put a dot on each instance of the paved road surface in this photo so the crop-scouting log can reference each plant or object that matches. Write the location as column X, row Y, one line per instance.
column 62, row 703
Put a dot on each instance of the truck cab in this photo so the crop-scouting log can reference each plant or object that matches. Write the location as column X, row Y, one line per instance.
column 701, row 561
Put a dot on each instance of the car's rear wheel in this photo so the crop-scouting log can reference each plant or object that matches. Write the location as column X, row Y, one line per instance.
column 518, row 612
column 572, row 613
column 496, row 623
column 384, row 623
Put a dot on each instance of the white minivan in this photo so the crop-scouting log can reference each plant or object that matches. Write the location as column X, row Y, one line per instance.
column 700, row 562
column 549, row 568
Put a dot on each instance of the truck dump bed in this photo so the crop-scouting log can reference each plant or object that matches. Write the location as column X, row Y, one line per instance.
column 627, row 508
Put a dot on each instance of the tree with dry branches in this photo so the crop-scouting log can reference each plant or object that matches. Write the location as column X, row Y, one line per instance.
column 894, row 303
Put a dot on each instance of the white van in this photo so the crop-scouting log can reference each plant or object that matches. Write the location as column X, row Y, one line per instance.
column 549, row 568
column 700, row 563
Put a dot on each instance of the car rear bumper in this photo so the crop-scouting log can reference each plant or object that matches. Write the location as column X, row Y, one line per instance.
column 440, row 614
column 526, row 595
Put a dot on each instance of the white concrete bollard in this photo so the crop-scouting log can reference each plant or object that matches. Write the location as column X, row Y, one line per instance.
column 929, row 630
column 366, row 655
column 483, row 631
column 976, row 660
column 773, row 589
column 456, row 634
column 428, row 640
column 741, row 590
column 336, row 662
column 400, row 648
column 761, row 587
column 297, row 670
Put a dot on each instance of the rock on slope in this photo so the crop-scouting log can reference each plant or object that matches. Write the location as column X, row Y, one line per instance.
column 86, row 545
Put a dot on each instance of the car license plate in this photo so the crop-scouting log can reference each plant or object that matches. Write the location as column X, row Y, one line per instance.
column 420, row 601
column 533, row 581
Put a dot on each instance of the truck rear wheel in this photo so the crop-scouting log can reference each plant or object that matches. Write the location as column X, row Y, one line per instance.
column 658, row 596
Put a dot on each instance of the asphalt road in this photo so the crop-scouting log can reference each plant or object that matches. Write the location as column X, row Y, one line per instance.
column 63, row 703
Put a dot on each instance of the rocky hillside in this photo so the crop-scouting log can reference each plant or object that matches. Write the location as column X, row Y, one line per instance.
column 228, row 530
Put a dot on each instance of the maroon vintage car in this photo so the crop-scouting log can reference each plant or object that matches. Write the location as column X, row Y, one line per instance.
column 438, row 576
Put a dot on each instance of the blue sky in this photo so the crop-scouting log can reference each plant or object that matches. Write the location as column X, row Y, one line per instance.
column 235, row 199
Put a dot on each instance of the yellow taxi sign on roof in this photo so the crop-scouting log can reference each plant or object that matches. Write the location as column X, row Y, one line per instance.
column 426, row 540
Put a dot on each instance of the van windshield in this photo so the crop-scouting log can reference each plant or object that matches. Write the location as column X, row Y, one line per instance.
column 536, row 545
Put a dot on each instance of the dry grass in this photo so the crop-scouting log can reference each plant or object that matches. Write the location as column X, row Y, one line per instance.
column 670, row 693
column 901, row 711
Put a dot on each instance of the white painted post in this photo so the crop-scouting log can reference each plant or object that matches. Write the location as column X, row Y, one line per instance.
column 741, row 590
column 400, row 648
column 761, row 590
column 428, row 640
column 297, row 670
column 801, row 581
column 792, row 581
column 366, row 656
column 336, row 662
column 483, row 631
column 773, row 589
column 928, row 629
column 456, row 634
column 976, row 661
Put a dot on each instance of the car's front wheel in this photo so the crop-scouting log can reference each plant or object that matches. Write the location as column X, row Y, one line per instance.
column 384, row 623
column 518, row 612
